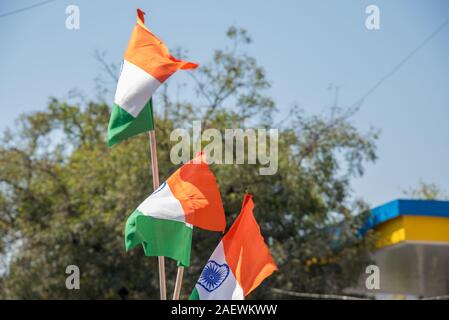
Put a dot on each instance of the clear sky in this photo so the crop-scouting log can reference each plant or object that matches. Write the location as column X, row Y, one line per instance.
column 303, row 45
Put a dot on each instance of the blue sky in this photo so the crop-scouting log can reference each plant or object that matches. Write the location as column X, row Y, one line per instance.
column 303, row 45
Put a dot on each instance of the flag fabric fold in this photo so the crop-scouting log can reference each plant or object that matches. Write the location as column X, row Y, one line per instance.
column 147, row 64
column 159, row 237
column 240, row 262
column 163, row 222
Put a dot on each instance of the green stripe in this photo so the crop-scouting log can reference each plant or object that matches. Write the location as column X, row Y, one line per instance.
column 194, row 295
column 123, row 125
column 159, row 237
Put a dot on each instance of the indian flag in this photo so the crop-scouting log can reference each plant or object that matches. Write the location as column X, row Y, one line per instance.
column 239, row 264
column 147, row 64
column 163, row 222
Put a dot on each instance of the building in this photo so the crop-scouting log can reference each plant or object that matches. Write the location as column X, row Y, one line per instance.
column 412, row 249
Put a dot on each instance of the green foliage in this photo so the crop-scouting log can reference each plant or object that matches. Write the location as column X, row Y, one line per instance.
column 65, row 197
column 426, row 191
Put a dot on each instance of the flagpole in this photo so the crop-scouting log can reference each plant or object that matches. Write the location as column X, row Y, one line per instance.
column 178, row 283
column 155, row 168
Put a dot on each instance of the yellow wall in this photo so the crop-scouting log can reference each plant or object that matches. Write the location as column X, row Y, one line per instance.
column 413, row 228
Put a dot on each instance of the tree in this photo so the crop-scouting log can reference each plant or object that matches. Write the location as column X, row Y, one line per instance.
column 65, row 197
column 426, row 191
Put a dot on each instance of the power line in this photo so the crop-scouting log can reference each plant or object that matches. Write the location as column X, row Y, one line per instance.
column 357, row 104
column 6, row 14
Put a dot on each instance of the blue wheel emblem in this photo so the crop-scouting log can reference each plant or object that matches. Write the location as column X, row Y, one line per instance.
column 162, row 186
column 213, row 275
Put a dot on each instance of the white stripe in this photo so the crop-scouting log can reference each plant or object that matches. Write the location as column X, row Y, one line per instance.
column 229, row 289
column 134, row 88
column 162, row 204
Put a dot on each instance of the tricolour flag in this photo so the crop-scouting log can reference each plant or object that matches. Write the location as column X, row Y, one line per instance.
column 163, row 222
column 239, row 264
column 147, row 64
